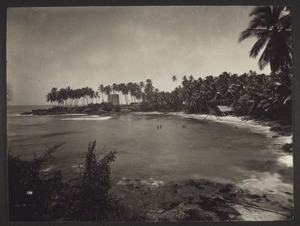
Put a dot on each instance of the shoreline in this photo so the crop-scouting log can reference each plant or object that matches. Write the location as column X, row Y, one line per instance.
column 260, row 210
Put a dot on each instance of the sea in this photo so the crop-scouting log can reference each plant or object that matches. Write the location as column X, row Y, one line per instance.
column 148, row 146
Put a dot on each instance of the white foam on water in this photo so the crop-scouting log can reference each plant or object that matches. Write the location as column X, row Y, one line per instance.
column 71, row 114
column 230, row 120
column 77, row 166
column 19, row 115
column 265, row 183
column 150, row 113
column 89, row 118
column 286, row 160
column 47, row 169
column 254, row 214
column 151, row 182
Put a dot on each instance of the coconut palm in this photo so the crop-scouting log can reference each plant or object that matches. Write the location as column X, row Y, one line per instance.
column 107, row 90
column 174, row 78
column 271, row 25
column 101, row 90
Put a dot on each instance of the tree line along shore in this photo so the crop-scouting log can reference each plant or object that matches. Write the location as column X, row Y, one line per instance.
column 250, row 94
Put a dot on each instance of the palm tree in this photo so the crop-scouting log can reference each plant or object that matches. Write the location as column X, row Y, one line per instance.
column 174, row 78
column 114, row 88
column 107, row 90
column 271, row 25
column 101, row 90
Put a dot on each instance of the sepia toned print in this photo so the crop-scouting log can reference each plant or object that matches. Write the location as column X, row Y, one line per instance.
column 150, row 113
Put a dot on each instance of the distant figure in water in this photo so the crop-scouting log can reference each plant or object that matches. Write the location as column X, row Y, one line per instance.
column 183, row 126
column 160, row 126
column 157, row 127
column 236, row 127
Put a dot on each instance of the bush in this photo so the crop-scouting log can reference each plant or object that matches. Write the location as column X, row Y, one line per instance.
column 93, row 200
column 29, row 195
column 117, row 108
column 32, row 198
column 107, row 106
column 144, row 106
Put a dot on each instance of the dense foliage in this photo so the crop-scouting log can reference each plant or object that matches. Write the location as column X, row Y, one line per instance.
column 34, row 198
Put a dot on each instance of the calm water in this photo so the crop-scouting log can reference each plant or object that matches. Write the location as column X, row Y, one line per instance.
column 201, row 150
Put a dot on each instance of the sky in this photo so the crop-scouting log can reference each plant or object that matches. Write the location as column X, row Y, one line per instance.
column 88, row 46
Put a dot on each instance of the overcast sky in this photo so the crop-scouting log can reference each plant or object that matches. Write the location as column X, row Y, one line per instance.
column 79, row 47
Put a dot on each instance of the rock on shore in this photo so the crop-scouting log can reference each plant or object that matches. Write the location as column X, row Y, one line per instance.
column 194, row 200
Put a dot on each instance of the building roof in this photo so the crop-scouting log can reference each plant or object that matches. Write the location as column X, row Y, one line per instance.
column 224, row 108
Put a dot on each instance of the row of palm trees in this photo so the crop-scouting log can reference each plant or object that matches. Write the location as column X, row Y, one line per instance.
column 249, row 93
column 132, row 89
column 69, row 97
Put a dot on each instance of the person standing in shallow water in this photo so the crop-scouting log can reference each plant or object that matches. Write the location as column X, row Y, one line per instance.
column 160, row 126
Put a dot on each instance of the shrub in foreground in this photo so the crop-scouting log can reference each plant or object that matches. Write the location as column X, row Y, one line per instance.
column 86, row 198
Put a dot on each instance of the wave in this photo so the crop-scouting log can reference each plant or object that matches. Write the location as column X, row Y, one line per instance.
column 286, row 160
column 19, row 115
column 75, row 114
column 89, row 118
column 45, row 170
column 150, row 182
column 77, row 166
column 151, row 113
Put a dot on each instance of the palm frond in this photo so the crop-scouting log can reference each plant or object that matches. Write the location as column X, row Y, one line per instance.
column 248, row 33
column 257, row 22
column 264, row 59
column 285, row 22
column 277, row 12
column 261, row 10
column 258, row 46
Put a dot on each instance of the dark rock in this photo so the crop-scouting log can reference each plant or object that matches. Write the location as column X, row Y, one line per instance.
column 206, row 202
column 219, row 200
column 287, row 147
column 224, row 190
column 226, row 212
column 200, row 187
column 190, row 182
column 275, row 203
column 253, row 196
column 233, row 195
column 170, row 205
column 26, row 113
column 284, row 207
